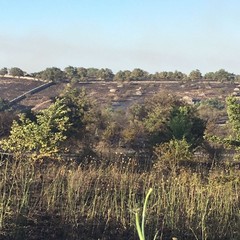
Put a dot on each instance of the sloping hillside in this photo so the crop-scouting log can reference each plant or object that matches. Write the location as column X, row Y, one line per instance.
column 119, row 95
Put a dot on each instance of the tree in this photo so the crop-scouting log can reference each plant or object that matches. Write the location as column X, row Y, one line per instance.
column 209, row 76
column 222, row 75
column 233, row 111
column 16, row 72
column 177, row 75
column 138, row 74
column 3, row 71
column 82, row 73
column 148, row 121
column 122, row 76
column 161, row 75
column 41, row 137
column 105, row 74
column 195, row 75
column 71, row 72
column 78, row 104
column 185, row 124
column 92, row 72
column 53, row 74
column 233, row 139
column 170, row 75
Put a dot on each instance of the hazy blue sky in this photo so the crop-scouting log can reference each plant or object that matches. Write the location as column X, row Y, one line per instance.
column 154, row 35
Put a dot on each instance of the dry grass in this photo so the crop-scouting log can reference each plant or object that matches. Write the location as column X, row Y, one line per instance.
column 186, row 205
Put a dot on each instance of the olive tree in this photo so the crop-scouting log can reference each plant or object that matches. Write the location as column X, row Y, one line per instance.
column 53, row 74
column 195, row 75
column 3, row 71
column 16, row 72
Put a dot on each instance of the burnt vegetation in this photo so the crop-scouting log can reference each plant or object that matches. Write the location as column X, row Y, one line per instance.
column 78, row 157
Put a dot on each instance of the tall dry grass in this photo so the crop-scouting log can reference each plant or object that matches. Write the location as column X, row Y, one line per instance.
column 184, row 204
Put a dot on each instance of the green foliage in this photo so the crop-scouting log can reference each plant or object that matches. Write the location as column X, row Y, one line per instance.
column 147, row 122
column 16, row 72
column 177, row 75
column 233, row 140
column 195, row 75
column 158, row 110
column 82, row 114
column 122, row 76
column 171, row 154
column 92, row 72
column 105, row 74
column 138, row 74
column 52, row 74
column 233, row 110
column 209, row 76
column 71, row 72
column 184, row 123
column 3, row 71
column 81, row 73
column 220, row 75
column 215, row 103
column 40, row 138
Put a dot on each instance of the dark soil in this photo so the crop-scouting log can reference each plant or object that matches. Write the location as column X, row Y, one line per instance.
column 117, row 95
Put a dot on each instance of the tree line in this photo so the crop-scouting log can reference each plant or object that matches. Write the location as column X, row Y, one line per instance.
column 79, row 74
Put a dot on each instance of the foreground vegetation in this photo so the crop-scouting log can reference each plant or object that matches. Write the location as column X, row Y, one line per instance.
column 99, row 201
column 46, row 192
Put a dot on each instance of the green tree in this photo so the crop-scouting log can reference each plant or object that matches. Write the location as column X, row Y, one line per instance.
column 177, row 75
column 123, row 76
column 162, row 75
column 82, row 73
column 148, row 121
column 209, row 76
column 53, row 74
column 185, row 124
column 92, row 72
column 105, row 74
column 16, row 72
column 71, row 72
column 170, row 75
column 195, row 75
column 222, row 75
column 41, row 137
column 138, row 74
column 233, row 111
column 79, row 105
column 233, row 139
column 3, row 71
